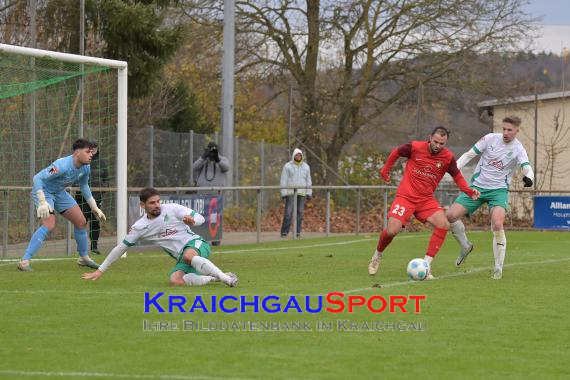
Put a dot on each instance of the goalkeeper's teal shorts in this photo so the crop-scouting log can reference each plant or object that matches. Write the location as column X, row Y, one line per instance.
column 199, row 245
column 59, row 201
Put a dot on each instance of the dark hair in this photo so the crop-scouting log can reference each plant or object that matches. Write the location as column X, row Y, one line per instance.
column 514, row 120
column 82, row 143
column 440, row 130
column 146, row 193
column 212, row 146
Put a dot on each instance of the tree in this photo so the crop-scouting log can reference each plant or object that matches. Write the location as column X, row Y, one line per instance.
column 135, row 31
column 197, row 64
column 188, row 116
column 351, row 60
column 130, row 30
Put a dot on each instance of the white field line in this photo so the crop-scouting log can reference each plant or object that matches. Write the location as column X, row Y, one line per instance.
column 6, row 262
column 108, row 375
column 456, row 274
column 357, row 290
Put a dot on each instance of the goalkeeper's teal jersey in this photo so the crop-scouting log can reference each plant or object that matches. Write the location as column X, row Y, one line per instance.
column 61, row 174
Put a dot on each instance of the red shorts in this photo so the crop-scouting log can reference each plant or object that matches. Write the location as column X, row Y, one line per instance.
column 403, row 209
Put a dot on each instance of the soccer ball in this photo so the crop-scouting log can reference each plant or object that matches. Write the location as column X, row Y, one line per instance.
column 418, row 269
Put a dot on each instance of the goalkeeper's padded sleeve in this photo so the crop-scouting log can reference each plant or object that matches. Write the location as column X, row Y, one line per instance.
column 84, row 187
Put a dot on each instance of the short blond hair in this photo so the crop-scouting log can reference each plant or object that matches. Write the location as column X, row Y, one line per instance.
column 514, row 120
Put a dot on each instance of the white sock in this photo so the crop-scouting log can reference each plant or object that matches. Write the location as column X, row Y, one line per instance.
column 429, row 259
column 377, row 254
column 192, row 279
column 457, row 229
column 207, row 267
column 499, row 248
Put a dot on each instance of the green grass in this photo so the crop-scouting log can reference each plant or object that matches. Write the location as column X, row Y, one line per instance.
column 54, row 324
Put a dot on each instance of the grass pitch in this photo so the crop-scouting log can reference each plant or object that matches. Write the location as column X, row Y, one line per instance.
column 53, row 324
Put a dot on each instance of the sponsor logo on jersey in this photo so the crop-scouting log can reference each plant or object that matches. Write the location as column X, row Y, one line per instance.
column 168, row 232
column 425, row 172
column 497, row 164
column 53, row 170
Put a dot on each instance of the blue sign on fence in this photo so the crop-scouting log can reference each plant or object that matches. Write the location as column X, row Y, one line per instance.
column 552, row 213
column 210, row 206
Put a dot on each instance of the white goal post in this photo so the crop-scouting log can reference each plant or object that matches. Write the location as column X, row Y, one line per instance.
column 121, row 153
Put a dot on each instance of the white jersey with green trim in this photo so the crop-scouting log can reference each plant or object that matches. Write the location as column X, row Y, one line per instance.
column 166, row 230
column 498, row 161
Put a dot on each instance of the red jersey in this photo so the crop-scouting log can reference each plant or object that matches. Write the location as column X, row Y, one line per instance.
column 424, row 170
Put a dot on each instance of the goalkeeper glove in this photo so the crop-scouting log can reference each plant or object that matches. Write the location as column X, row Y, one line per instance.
column 527, row 181
column 43, row 207
column 96, row 210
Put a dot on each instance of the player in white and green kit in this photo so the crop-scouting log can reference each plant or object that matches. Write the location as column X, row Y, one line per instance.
column 501, row 154
column 167, row 226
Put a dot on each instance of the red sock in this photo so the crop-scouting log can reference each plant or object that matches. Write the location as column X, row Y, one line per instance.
column 436, row 241
column 384, row 241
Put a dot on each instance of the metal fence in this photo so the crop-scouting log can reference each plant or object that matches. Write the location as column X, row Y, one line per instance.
column 164, row 160
column 334, row 209
column 160, row 158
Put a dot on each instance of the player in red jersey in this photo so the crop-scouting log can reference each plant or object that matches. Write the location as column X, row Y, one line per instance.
column 428, row 161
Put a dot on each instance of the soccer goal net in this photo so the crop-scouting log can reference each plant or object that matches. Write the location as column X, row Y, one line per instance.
column 47, row 101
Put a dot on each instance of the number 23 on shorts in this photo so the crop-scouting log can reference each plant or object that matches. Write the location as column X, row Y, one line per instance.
column 401, row 210
column 398, row 210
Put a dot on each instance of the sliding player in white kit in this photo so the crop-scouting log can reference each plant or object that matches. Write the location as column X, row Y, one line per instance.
column 167, row 226
column 501, row 154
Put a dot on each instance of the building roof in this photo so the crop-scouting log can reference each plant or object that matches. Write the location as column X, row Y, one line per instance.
column 523, row 99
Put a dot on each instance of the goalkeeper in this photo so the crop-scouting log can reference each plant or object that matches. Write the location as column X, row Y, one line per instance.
column 49, row 195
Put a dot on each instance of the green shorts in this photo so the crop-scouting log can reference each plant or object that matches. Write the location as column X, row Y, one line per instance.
column 495, row 197
column 199, row 245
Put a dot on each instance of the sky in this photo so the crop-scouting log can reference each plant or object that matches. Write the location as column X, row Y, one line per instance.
column 554, row 24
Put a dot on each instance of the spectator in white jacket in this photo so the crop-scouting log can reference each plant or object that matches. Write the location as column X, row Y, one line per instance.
column 295, row 173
